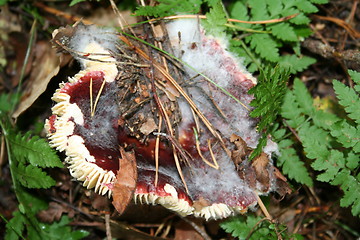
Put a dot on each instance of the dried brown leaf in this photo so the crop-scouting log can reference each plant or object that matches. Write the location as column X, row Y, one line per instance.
column 125, row 183
column 47, row 65
column 241, row 150
column 54, row 212
column 260, row 165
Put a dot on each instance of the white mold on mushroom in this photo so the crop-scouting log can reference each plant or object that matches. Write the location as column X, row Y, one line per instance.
column 90, row 136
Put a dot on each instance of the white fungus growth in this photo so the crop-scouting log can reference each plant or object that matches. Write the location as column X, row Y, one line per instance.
column 225, row 193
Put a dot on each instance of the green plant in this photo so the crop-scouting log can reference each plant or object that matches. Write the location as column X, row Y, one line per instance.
column 331, row 142
column 269, row 94
column 253, row 227
column 28, row 157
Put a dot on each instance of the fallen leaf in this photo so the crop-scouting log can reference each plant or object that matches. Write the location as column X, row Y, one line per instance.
column 47, row 65
column 281, row 182
column 260, row 165
column 54, row 212
column 125, row 182
column 241, row 149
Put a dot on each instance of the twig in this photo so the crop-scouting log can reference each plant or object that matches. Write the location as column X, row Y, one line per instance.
column 197, row 141
column 107, row 226
column 91, row 97
column 203, row 234
column 60, row 13
column 98, row 97
column 352, row 31
column 2, row 151
column 229, row 19
column 157, row 142
column 263, row 208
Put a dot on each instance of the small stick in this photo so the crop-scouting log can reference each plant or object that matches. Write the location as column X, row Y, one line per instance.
column 230, row 19
column 107, row 226
column 98, row 97
column 213, row 165
column 157, row 142
column 60, row 13
column 263, row 208
column 91, row 97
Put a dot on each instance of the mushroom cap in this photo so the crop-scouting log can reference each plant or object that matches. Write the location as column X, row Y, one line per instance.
column 201, row 171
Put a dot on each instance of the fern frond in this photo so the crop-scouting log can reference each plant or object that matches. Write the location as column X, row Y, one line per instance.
column 284, row 31
column 356, row 78
column 332, row 143
column 303, row 97
column 349, row 99
column 296, row 64
column 33, row 150
column 264, row 45
column 15, row 226
column 291, row 164
column 240, row 227
column 351, row 187
column 170, row 7
column 33, row 177
column 269, row 94
column 347, row 135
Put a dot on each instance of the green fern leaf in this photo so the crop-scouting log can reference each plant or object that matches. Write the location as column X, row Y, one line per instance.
column 315, row 142
column 291, row 164
column 352, row 161
column 332, row 142
column 306, row 6
column 347, row 135
column 324, row 119
column 296, row 64
column 239, row 227
column 60, row 230
column 265, row 46
column 274, row 7
column 34, row 150
column 238, row 10
column 215, row 20
column 300, row 19
column 15, row 226
column 170, row 7
column 291, row 110
column 258, row 10
column 33, row 177
column 284, row 32
column 351, row 188
column 303, row 97
column 268, row 93
column 332, row 166
column 349, row 100
column 356, row 77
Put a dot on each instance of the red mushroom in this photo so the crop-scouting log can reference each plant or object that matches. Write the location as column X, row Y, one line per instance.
column 111, row 103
